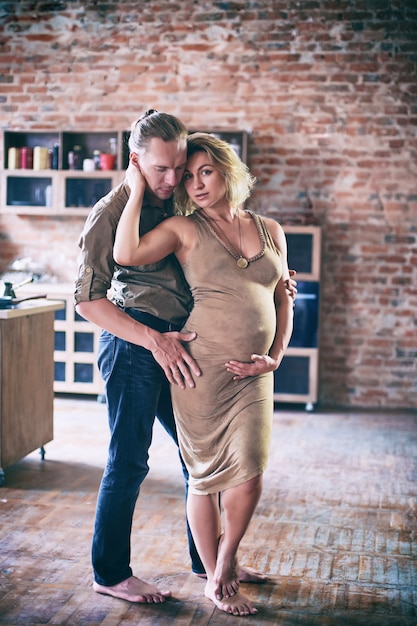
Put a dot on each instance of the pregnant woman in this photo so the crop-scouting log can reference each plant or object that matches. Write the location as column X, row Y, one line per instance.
column 235, row 262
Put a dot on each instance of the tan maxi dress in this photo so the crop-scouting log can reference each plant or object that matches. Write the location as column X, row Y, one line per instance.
column 224, row 425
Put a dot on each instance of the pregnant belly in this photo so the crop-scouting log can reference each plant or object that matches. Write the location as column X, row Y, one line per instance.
column 232, row 335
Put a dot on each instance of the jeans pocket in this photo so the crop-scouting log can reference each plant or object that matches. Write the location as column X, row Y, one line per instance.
column 105, row 354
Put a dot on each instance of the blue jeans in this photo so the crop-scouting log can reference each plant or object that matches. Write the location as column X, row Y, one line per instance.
column 137, row 391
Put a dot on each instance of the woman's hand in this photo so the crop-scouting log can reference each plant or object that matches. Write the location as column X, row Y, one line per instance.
column 291, row 284
column 260, row 364
column 135, row 178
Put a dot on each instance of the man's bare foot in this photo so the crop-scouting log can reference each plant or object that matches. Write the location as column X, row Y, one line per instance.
column 134, row 590
column 238, row 604
column 249, row 575
column 246, row 575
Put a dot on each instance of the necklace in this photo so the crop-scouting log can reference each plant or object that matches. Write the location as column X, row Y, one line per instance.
column 241, row 261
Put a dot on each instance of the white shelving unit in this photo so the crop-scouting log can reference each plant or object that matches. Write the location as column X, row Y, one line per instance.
column 60, row 191
column 75, row 343
column 296, row 380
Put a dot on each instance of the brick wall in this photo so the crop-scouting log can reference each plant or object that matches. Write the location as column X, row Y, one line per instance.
column 327, row 90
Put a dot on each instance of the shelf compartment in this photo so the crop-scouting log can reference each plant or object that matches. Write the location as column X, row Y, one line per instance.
column 20, row 139
column 304, row 249
column 296, row 379
column 83, row 192
column 306, row 315
column 29, row 191
column 88, row 141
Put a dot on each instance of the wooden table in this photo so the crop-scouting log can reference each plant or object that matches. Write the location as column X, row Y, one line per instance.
column 26, row 379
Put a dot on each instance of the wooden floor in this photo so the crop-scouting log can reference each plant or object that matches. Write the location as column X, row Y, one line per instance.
column 336, row 529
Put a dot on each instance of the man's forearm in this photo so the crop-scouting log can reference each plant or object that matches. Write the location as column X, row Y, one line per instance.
column 108, row 316
column 166, row 348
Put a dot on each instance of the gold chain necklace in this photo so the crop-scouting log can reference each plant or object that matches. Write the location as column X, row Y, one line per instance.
column 241, row 261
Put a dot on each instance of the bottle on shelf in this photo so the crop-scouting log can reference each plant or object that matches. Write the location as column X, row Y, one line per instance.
column 75, row 158
column 55, row 156
column 96, row 158
column 48, row 195
column 26, row 158
column 113, row 145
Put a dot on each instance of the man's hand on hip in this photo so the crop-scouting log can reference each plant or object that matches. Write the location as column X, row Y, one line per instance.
column 170, row 354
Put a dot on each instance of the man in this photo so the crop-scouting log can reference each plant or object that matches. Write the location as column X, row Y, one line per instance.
column 140, row 310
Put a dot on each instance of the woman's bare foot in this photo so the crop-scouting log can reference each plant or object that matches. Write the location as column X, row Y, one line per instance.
column 225, row 580
column 134, row 590
column 238, row 604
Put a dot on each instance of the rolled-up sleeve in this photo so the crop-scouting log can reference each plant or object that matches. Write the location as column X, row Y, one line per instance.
column 83, row 282
column 96, row 243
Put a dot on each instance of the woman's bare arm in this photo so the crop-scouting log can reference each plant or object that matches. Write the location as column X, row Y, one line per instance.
column 164, row 239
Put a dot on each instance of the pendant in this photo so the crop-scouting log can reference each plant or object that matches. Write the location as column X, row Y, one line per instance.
column 242, row 262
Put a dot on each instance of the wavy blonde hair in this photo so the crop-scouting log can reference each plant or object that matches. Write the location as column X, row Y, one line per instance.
column 239, row 181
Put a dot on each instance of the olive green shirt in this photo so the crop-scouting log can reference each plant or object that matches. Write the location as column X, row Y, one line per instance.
column 158, row 289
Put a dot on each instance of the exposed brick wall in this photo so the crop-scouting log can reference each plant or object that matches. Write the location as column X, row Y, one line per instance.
column 328, row 92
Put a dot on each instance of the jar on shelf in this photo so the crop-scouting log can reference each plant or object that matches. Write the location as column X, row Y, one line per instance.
column 26, row 158
column 14, row 156
column 89, row 165
column 107, row 161
column 40, row 158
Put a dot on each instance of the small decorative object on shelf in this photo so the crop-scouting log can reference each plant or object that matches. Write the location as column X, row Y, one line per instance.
column 75, row 158
column 96, row 158
column 89, row 165
column 26, row 158
column 48, row 195
column 107, row 161
column 55, row 157
column 113, row 145
column 40, row 158
column 14, row 158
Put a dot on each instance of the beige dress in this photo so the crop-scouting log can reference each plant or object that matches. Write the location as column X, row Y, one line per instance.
column 224, row 425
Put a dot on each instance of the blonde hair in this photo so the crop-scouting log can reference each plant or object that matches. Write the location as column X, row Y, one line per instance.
column 238, row 179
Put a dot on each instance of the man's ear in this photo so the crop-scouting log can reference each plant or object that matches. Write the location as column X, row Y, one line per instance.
column 134, row 158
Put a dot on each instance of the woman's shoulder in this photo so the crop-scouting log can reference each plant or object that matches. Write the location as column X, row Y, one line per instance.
column 273, row 228
column 273, row 225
